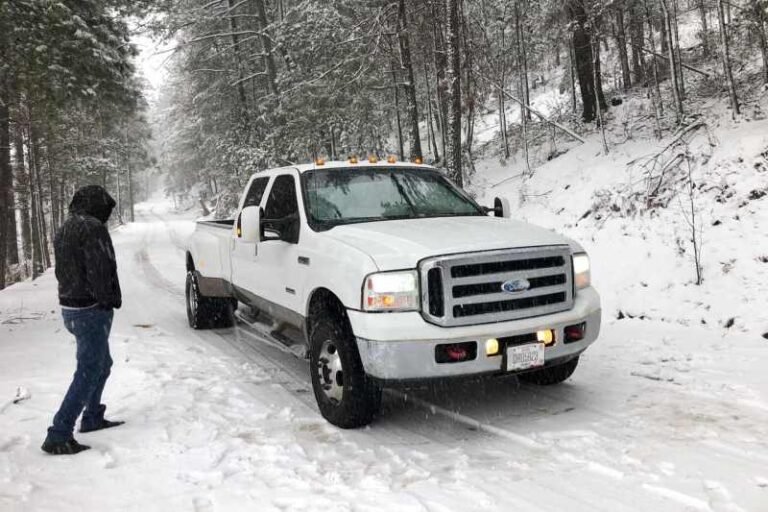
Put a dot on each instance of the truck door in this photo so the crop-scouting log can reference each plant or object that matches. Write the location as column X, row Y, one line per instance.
column 244, row 255
column 278, row 270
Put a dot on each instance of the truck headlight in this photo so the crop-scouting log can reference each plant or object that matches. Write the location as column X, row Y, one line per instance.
column 581, row 275
column 391, row 291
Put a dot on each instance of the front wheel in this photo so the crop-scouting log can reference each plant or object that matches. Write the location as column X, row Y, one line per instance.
column 346, row 396
column 552, row 374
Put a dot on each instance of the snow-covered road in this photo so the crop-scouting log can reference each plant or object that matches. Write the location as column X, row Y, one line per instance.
column 659, row 416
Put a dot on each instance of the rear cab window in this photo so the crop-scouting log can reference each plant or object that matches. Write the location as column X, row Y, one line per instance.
column 283, row 204
column 256, row 192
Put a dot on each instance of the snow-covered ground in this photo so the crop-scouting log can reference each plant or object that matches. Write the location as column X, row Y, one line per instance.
column 664, row 413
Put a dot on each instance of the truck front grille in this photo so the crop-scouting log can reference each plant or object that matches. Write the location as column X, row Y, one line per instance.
column 468, row 289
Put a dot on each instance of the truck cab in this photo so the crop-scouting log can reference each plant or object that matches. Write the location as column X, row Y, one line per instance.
column 391, row 273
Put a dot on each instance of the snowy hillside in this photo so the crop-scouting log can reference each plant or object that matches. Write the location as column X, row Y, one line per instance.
column 643, row 255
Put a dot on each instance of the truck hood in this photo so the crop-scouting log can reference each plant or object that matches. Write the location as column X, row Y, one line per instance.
column 401, row 244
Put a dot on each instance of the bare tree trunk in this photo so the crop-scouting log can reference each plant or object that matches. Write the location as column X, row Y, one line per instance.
column 572, row 70
column 522, row 61
column 656, row 90
column 266, row 46
column 38, row 249
column 592, row 97
column 240, row 71
column 130, row 173
column 431, row 128
column 726, row 59
column 621, row 42
column 52, row 170
column 503, row 126
column 12, row 255
column 441, row 66
column 704, row 26
column 62, row 200
column 6, row 171
column 45, row 256
column 23, row 188
column 502, row 100
column 678, row 53
column 663, row 43
column 595, row 77
column 410, row 83
column 400, row 151
column 453, row 77
column 759, row 23
column 467, row 90
column 119, row 195
column 524, row 133
column 522, row 73
column 636, row 40
column 677, row 95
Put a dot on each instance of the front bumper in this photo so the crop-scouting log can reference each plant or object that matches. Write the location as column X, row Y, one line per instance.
column 401, row 346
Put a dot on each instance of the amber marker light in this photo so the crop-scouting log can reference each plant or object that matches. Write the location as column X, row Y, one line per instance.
column 418, row 160
column 320, row 161
column 353, row 159
column 391, row 159
column 372, row 159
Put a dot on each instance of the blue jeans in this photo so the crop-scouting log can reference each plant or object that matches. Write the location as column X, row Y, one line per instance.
column 91, row 327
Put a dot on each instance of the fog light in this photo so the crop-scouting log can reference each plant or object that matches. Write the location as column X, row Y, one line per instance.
column 575, row 333
column 456, row 352
column 547, row 337
column 492, row 347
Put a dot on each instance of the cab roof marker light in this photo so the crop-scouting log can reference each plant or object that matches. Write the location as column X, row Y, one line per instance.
column 418, row 160
column 372, row 159
column 320, row 161
column 353, row 159
column 391, row 159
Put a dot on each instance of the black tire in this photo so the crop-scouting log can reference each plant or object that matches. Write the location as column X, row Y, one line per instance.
column 358, row 398
column 552, row 374
column 207, row 312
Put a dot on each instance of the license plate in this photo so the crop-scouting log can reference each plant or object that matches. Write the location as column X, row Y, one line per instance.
column 522, row 357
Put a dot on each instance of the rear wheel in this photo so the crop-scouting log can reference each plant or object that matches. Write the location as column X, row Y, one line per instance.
column 207, row 312
column 346, row 396
column 552, row 374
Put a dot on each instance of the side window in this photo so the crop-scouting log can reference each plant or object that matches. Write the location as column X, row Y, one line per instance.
column 282, row 199
column 256, row 192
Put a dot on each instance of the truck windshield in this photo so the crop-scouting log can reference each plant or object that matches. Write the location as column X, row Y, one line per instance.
column 350, row 196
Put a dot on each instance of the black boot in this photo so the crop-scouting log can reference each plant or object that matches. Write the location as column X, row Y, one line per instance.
column 70, row 447
column 101, row 426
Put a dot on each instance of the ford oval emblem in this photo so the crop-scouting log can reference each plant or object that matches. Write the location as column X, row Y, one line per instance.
column 515, row 286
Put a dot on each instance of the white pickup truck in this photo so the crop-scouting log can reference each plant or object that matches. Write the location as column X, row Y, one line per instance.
column 390, row 273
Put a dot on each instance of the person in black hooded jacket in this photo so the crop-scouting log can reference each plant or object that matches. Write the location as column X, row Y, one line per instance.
column 89, row 291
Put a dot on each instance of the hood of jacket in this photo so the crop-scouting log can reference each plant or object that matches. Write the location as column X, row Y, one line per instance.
column 92, row 200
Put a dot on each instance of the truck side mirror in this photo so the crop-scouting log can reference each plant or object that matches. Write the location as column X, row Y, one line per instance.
column 501, row 208
column 271, row 233
column 285, row 229
column 250, row 224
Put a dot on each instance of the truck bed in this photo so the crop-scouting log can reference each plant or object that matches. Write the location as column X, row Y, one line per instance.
column 211, row 246
column 221, row 224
